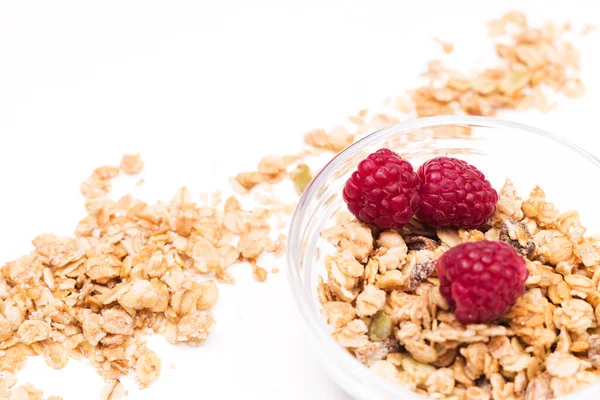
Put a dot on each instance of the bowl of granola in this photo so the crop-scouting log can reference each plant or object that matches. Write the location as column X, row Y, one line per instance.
column 453, row 257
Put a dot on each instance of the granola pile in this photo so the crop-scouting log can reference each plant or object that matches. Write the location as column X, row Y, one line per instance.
column 534, row 64
column 382, row 298
column 130, row 269
column 531, row 58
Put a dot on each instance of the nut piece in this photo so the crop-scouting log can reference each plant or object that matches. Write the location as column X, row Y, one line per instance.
column 147, row 368
column 420, row 272
column 518, row 236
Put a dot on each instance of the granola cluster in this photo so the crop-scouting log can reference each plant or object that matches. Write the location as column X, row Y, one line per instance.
column 382, row 298
column 131, row 268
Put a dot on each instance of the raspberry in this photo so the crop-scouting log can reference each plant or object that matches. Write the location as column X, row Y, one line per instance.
column 383, row 191
column 454, row 194
column 481, row 280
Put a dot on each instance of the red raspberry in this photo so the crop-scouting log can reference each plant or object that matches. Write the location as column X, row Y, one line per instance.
column 454, row 193
column 481, row 280
column 383, row 191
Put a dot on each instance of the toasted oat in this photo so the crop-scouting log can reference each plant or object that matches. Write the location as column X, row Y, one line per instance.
column 131, row 164
column 26, row 392
column 335, row 140
column 113, row 390
column 147, row 368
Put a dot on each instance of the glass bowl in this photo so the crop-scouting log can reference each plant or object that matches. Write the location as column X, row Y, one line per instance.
column 501, row 149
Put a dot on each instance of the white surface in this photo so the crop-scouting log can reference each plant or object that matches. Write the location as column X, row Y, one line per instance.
column 194, row 85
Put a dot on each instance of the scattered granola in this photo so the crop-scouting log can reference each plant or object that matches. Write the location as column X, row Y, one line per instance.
column 130, row 269
column 394, row 320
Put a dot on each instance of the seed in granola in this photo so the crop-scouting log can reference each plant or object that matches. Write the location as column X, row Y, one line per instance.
column 518, row 236
column 381, row 326
column 421, row 271
column 301, row 177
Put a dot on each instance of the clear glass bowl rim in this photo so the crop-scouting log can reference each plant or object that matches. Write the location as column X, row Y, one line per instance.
column 342, row 363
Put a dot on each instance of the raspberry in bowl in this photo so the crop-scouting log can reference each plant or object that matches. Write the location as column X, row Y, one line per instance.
column 488, row 290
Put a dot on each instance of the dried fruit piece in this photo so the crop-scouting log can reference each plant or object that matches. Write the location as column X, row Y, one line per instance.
column 415, row 242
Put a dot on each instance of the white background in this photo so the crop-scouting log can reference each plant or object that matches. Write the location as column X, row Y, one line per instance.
column 203, row 90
